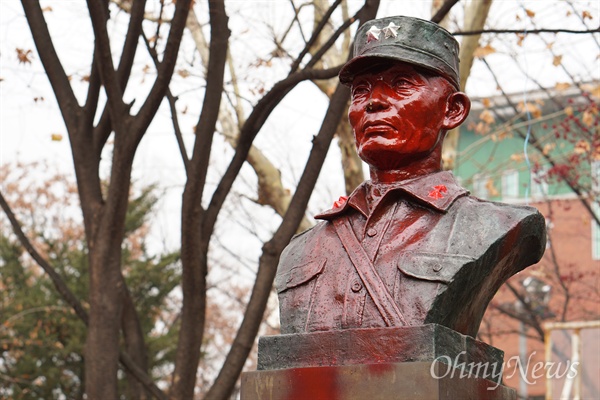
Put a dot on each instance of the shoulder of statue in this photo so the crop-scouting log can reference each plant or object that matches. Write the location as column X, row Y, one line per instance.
column 501, row 224
column 302, row 258
column 301, row 246
column 506, row 215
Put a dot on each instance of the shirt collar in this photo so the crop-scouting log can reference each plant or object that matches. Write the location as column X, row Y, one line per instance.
column 438, row 190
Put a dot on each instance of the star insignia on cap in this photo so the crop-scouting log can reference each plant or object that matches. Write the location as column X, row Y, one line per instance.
column 391, row 30
column 373, row 33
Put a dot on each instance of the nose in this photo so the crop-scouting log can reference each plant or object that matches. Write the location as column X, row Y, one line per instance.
column 379, row 99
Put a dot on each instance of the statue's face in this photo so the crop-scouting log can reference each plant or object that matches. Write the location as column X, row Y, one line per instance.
column 398, row 113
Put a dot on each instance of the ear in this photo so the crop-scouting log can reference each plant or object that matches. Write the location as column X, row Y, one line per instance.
column 458, row 106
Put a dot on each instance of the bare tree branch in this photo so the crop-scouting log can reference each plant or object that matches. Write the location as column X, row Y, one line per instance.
column 172, row 100
column 315, row 36
column 165, row 71
column 443, row 10
column 59, row 81
column 251, row 127
column 98, row 10
column 194, row 241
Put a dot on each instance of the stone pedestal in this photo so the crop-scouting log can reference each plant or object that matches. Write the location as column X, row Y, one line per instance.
column 420, row 362
column 410, row 380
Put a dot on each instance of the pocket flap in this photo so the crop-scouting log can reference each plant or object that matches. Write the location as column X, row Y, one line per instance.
column 299, row 274
column 439, row 267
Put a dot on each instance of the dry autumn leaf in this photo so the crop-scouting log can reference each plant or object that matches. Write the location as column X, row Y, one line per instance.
column 557, row 60
column 530, row 13
column 56, row 137
column 593, row 90
column 562, row 86
column 504, row 134
column 531, row 108
column 548, row 147
column 491, row 189
column 569, row 111
column 486, row 102
column 517, row 157
column 487, row 117
column 24, row 56
column 481, row 52
column 583, row 146
column 586, row 15
column 588, row 117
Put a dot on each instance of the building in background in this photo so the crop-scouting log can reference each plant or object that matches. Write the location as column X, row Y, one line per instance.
column 558, row 172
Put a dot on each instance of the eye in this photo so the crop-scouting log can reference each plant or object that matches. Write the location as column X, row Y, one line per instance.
column 361, row 89
column 402, row 84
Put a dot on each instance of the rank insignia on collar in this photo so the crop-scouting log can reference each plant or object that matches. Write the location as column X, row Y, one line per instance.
column 340, row 202
column 438, row 192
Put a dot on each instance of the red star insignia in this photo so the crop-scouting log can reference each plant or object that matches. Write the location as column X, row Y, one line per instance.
column 438, row 192
column 340, row 202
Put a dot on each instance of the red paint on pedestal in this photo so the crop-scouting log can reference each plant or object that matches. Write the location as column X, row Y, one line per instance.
column 313, row 383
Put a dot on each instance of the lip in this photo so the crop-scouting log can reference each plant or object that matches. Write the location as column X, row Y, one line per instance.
column 371, row 128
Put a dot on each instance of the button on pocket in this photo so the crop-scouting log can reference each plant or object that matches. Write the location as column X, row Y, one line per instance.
column 356, row 286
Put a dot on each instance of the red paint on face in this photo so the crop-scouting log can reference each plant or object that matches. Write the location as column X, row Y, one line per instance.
column 398, row 115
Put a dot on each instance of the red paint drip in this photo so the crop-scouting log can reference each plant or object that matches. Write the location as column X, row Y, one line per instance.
column 313, row 383
column 380, row 369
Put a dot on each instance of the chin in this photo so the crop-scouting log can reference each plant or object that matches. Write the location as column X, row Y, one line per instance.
column 384, row 160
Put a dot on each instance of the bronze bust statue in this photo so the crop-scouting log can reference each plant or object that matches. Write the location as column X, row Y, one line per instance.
column 410, row 246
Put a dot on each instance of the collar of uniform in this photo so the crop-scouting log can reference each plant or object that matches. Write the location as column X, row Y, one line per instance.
column 437, row 190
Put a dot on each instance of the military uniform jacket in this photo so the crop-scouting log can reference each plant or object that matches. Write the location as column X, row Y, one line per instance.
column 440, row 253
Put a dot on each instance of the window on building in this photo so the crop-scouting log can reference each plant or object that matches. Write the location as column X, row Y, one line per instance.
column 539, row 184
column 510, row 184
column 479, row 186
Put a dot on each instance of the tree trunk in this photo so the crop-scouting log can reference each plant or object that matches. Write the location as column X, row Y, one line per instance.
column 134, row 344
column 107, row 287
column 194, row 238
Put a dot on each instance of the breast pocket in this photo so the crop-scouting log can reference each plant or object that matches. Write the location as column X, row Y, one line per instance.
column 296, row 289
column 299, row 274
column 438, row 267
column 422, row 277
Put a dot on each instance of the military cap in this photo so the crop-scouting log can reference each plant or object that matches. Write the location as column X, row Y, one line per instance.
column 407, row 39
